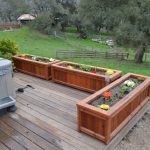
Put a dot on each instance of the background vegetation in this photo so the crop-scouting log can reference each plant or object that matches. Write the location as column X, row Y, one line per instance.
column 58, row 23
column 33, row 42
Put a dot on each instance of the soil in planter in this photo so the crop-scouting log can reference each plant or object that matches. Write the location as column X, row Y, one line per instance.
column 117, row 95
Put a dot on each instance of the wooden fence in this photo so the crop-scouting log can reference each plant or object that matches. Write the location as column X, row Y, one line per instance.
column 9, row 25
column 90, row 54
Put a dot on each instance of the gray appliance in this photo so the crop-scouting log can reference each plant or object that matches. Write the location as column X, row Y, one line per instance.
column 7, row 91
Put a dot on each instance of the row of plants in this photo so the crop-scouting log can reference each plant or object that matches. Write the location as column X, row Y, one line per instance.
column 34, row 65
column 111, row 97
column 88, row 68
column 36, row 58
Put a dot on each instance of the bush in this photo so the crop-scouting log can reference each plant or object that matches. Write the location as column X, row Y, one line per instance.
column 42, row 23
column 8, row 48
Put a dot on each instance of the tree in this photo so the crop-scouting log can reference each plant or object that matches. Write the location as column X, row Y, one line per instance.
column 128, row 19
column 42, row 23
column 135, row 28
column 54, row 12
column 98, row 13
column 10, row 10
column 71, row 5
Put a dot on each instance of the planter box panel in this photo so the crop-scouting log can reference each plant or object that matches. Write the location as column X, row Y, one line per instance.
column 35, row 68
column 130, row 109
column 113, row 120
column 80, row 79
column 87, row 123
column 59, row 75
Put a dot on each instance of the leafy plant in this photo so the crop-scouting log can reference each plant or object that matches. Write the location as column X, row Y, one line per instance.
column 8, row 48
column 125, row 89
column 85, row 68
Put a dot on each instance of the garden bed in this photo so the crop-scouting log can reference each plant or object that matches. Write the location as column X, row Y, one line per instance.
column 103, row 114
column 34, row 65
column 88, row 78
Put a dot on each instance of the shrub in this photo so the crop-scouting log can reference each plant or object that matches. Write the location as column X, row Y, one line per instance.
column 8, row 48
column 42, row 23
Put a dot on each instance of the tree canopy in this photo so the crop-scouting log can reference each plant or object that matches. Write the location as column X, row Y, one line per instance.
column 128, row 19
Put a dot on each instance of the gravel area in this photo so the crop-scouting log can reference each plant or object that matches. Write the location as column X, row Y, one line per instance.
column 139, row 137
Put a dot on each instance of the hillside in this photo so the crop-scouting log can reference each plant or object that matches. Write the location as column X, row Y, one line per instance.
column 36, row 43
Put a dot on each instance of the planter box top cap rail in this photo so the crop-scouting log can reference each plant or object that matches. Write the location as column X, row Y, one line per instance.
column 35, row 58
column 108, row 74
column 145, row 83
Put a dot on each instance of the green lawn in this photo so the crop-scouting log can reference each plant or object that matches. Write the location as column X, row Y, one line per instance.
column 36, row 43
column 88, row 44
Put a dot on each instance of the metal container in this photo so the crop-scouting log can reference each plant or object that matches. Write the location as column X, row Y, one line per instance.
column 6, row 81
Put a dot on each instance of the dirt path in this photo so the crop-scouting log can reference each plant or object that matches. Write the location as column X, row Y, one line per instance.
column 139, row 137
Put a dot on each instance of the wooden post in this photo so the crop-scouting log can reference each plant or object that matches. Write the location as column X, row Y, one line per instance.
column 108, row 130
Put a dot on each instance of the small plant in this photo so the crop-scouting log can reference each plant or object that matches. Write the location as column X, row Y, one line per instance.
column 107, row 95
column 40, row 59
column 127, row 86
column 129, row 83
column 70, row 67
column 103, row 106
column 85, row 68
column 51, row 59
column 88, row 68
column 8, row 48
column 125, row 89
column 109, row 72
column 93, row 70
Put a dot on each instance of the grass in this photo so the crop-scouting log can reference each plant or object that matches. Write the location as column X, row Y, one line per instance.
column 87, row 43
column 71, row 30
column 38, row 44
column 35, row 43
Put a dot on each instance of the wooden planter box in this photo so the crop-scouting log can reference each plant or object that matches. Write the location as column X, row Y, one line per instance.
column 31, row 67
column 82, row 80
column 104, row 125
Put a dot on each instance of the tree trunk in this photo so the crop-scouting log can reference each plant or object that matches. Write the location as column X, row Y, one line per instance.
column 140, row 54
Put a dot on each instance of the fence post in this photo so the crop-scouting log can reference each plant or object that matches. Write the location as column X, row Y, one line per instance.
column 95, row 53
column 106, row 54
column 56, row 54
column 145, row 57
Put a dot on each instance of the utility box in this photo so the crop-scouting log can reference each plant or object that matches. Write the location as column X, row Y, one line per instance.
column 7, row 91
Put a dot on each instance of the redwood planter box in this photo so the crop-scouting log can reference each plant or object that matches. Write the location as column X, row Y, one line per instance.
column 105, row 124
column 25, row 64
column 87, row 81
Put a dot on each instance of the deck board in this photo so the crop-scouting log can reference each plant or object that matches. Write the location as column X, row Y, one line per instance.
column 46, row 118
column 3, row 147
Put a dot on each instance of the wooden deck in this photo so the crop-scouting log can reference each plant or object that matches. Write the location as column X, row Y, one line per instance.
column 46, row 119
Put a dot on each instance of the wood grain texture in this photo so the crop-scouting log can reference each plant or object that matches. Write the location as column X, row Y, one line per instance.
column 46, row 118
column 38, row 69
column 113, row 120
column 9, row 26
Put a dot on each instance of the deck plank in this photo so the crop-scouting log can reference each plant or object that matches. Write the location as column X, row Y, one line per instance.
column 29, row 134
column 46, row 118
column 10, row 142
column 79, row 140
column 35, row 125
column 50, row 85
column 18, row 137
column 3, row 147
